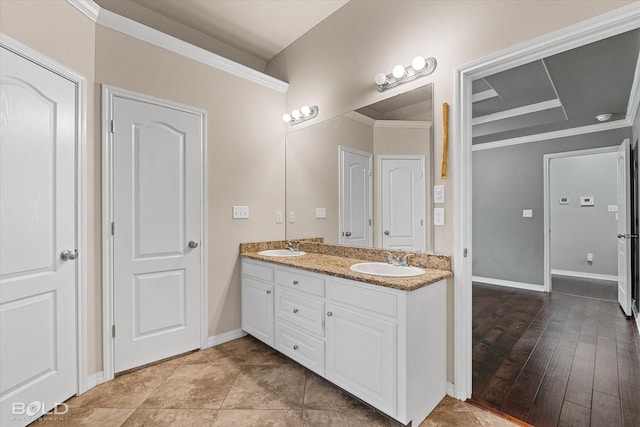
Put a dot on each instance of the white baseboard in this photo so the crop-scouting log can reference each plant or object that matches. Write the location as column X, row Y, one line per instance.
column 225, row 337
column 638, row 322
column 508, row 283
column 451, row 389
column 94, row 380
column 583, row 275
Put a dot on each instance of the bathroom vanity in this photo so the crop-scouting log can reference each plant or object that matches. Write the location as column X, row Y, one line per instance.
column 385, row 343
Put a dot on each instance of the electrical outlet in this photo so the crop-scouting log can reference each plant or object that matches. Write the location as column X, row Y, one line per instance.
column 612, row 208
column 321, row 213
column 589, row 257
column 438, row 194
column 527, row 213
column 438, row 216
column 278, row 217
column 292, row 217
column 240, row 212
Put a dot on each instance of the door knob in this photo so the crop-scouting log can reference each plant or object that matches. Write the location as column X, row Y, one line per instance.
column 348, row 234
column 193, row 244
column 67, row 255
column 386, row 232
column 329, row 313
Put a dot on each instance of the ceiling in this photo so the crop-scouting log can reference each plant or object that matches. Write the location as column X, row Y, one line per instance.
column 262, row 28
column 562, row 91
column 416, row 104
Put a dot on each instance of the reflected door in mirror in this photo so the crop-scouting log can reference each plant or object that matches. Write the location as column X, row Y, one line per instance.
column 355, row 197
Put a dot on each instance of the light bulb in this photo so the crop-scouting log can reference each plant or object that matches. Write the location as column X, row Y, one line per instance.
column 418, row 63
column 380, row 79
column 305, row 110
column 286, row 118
column 398, row 71
column 296, row 114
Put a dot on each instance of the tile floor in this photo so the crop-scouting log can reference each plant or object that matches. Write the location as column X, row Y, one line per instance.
column 240, row 383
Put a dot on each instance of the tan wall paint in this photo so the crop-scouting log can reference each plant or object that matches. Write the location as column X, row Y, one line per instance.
column 333, row 64
column 245, row 141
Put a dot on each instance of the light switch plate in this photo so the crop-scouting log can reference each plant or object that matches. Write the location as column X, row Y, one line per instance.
column 612, row 208
column 278, row 217
column 564, row 200
column 527, row 213
column 587, row 201
column 240, row 212
column 321, row 213
column 438, row 216
column 438, row 194
column 292, row 217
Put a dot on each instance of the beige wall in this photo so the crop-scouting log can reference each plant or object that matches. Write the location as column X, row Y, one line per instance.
column 333, row 65
column 245, row 141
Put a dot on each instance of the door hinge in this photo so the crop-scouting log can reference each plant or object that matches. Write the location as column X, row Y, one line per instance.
column 113, row 228
column 113, row 331
column 112, row 126
column 422, row 223
column 465, row 252
column 369, row 222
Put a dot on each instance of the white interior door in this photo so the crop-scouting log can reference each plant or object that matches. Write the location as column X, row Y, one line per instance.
column 37, row 222
column 624, row 227
column 355, row 197
column 402, row 203
column 157, row 187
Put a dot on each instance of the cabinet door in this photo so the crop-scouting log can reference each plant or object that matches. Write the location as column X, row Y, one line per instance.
column 361, row 356
column 257, row 309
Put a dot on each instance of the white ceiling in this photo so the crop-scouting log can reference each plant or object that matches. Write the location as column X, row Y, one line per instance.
column 262, row 28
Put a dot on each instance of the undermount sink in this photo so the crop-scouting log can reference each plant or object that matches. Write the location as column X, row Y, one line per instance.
column 386, row 270
column 282, row 253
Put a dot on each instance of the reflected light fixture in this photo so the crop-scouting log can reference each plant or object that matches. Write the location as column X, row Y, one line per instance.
column 302, row 115
column 419, row 67
column 603, row 117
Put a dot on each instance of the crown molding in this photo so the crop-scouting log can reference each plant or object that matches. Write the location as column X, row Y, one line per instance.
column 359, row 117
column 598, row 127
column 634, row 97
column 408, row 124
column 519, row 111
column 139, row 31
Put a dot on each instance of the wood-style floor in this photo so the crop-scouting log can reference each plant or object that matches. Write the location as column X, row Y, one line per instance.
column 552, row 359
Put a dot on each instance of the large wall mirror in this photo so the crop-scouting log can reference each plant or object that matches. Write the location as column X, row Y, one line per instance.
column 365, row 178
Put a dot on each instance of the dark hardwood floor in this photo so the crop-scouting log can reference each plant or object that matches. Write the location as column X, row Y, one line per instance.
column 554, row 359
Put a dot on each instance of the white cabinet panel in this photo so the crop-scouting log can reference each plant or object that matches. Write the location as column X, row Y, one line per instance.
column 304, row 349
column 257, row 309
column 304, row 312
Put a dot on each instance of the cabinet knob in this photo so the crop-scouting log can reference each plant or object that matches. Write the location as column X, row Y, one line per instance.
column 329, row 313
column 295, row 282
column 295, row 310
column 295, row 347
column 268, row 292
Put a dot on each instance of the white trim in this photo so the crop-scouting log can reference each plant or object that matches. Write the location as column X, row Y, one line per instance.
column 358, row 117
column 583, row 275
column 108, row 94
column 409, row 124
column 634, row 97
column 225, row 337
column 94, row 380
column 519, row 111
column 482, row 96
column 341, row 149
column 563, row 133
column 450, row 389
column 88, row 7
column 546, row 174
column 615, row 22
column 508, row 283
column 638, row 321
column 175, row 45
column 80, row 83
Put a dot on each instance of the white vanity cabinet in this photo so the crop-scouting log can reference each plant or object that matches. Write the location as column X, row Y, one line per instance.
column 383, row 345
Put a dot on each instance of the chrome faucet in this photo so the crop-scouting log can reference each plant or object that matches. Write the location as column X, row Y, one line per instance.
column 392, row 259
column 293, row 247
column 405, row 260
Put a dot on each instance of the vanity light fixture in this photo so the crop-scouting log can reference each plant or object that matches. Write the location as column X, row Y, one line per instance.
column 419, row 67
column 302, row 115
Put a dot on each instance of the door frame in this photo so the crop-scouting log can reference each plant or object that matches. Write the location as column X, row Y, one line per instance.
column 615, row 22
column 547, row 200
column 423, row 193
column 80, row 83
column 341, row 149
column 108, row 94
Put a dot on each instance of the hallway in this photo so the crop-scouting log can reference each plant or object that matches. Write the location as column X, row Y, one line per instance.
column 553, row 359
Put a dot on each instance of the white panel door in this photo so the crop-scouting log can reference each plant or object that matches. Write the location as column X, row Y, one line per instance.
column 355, row 197
column 402, row 203
column 157, row 214
column 37, row 222
column 624, row 226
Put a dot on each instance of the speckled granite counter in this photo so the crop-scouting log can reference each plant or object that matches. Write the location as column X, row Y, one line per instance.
column 335, row 260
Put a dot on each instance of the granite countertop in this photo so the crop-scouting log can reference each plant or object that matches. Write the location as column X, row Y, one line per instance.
column 338, row 265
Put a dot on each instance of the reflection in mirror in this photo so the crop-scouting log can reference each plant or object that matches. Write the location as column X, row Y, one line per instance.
column 364, row 178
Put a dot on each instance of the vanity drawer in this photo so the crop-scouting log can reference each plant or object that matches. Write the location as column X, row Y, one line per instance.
column 369, row 299
column 304, row 312
column 304, row 349
column 294, row 280
column 257, row 270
